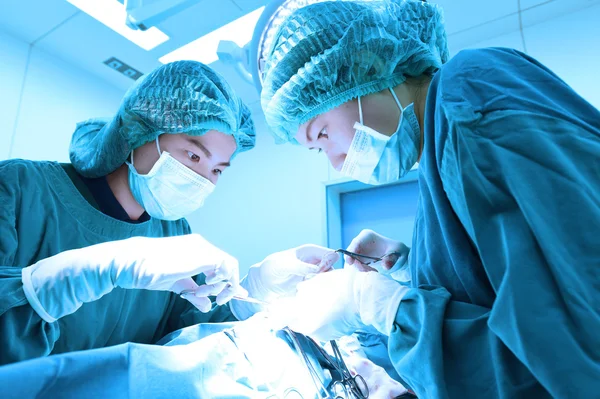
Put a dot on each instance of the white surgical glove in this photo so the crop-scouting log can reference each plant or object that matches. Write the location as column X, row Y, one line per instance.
column 59, row 285
column 279, row 274
column 339, row 303
column 368, row 242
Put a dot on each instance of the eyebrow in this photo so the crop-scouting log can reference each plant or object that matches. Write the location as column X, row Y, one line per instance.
column 206, row 152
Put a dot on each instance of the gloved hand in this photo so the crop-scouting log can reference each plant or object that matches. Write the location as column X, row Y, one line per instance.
column 59, row 285
column 339, row 303
column 370, row 243
column 279, row 274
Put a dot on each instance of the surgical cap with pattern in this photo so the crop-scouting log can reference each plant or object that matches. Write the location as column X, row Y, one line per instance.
column 180, row 97
column 328, row 53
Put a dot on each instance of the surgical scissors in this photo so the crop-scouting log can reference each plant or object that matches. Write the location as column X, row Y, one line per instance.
column 361, row 258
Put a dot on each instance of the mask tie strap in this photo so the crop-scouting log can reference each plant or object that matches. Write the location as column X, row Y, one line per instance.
column 360, row 115
column 399, row 106
column 158, row 146
column 132, row 158
column 396, row 98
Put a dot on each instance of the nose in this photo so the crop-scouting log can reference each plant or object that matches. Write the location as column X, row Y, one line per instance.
column 208, row 174
column 212, row 178
column 336, row 160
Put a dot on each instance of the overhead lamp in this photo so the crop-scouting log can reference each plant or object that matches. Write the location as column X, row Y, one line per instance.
column 112, row 14
column 204, row 49
column 250, row 59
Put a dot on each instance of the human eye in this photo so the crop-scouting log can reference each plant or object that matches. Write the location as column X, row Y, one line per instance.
column 322, row 134
column 193, row 157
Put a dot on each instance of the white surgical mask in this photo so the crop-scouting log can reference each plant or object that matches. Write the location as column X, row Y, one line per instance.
column 375, row 158
column 170, row 190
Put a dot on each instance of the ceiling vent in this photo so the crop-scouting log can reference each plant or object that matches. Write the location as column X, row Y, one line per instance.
column 123, row 68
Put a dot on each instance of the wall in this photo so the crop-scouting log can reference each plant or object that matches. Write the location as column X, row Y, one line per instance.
column 42, row 99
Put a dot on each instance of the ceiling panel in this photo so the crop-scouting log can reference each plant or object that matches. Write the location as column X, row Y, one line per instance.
column 566, row 46
column 28, row 20
column 461, row 15
column 87, row 43
column 250, row 5
column 525, row 4
column 197, row 21
column 553, row 9
column 511, row 40
column 469, row 37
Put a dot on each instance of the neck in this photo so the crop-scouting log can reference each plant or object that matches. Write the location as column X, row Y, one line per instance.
column 415, row 92
column 118, row 181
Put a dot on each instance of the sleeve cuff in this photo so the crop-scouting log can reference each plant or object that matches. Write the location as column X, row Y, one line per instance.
column 32, row 296
column 391, row 311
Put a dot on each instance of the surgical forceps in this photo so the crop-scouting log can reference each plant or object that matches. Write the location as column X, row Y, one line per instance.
column 365, row 259
column 348, row 387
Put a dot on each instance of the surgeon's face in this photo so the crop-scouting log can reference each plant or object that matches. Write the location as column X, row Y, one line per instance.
column 333, row 131
column 208, row 155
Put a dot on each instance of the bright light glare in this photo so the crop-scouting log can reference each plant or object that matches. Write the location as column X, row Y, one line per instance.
column 204, row 49
column 112, row 14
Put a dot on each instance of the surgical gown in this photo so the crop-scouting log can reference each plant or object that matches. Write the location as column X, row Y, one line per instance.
column 44, row 213
column 506, row 250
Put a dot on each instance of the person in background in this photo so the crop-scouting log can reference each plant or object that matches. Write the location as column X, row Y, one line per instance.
column 93, row 253
column 504, row 297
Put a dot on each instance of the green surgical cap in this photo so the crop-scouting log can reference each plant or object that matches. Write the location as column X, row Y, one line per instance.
column 180, row 97
column 328, row 53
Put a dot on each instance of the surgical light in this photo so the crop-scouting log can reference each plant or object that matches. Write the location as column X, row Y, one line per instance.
column 112, row 14
column 249, row 59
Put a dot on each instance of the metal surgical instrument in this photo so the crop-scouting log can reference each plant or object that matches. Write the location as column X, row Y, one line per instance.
column 365, row 259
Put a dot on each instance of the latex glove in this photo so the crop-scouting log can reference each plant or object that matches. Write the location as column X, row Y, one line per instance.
column 59, row 285
column 279, row 274
column 339, row 303
column 370, row 243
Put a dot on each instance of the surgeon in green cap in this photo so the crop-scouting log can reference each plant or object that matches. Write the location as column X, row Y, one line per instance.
column 504, row 292
column 93, row 253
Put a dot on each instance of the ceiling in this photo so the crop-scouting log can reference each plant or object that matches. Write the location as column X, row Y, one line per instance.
column 59, row 28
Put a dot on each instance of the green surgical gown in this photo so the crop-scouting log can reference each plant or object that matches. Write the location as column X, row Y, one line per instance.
column 42, row 214
column 505, row 297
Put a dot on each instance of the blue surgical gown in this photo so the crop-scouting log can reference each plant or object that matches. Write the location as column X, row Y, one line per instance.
column 506, row 250
column 43, row 213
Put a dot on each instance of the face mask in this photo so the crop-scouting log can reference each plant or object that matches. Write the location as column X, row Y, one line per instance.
column 170, row 190
column 375, row 158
